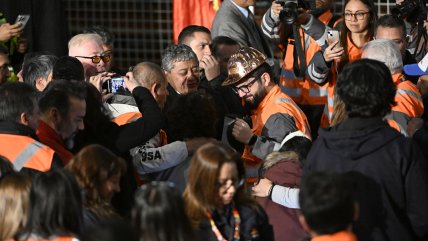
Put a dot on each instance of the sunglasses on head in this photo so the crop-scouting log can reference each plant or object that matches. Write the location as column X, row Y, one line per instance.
column 105, row 57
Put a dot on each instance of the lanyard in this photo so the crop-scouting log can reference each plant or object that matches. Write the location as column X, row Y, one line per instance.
column 237, row 221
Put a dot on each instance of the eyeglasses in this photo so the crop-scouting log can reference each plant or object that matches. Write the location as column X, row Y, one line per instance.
column 352, row 16
column 105, row 57
column 226, row 184
column 246, row 88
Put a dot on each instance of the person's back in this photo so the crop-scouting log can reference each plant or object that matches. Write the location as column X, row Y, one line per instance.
column 389, row 172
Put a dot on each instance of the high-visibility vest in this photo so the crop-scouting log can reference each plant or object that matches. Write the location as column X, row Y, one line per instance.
column 127, row 117
column 354, row 53
column 409, row 104
column 24, row 151
column 59, row 238
column 274, row 102
column 302, row 90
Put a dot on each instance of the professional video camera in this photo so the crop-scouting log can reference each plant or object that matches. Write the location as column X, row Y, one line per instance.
column 289, row 13
column 412, row 10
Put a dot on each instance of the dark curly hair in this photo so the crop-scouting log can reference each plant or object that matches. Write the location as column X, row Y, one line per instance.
column 366, row 88
column 192, row 115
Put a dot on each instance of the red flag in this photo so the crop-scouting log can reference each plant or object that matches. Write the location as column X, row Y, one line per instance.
column 193, row 12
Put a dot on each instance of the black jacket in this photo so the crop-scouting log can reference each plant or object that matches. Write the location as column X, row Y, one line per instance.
column 254, row 225
column 389, row 173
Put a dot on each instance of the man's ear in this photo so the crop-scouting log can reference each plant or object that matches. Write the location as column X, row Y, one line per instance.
column 154, row 89
column 41, row 83
column 24, row 118
column 266, row 79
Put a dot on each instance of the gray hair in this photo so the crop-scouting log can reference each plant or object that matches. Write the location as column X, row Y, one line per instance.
column 177, row 53
column 36, row 66
column 385, row 51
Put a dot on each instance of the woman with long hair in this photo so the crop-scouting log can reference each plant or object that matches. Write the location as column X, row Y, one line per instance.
column 158, row 214
column 216, row 201
column 357, row 28
column 98, row 172
column 55, row 209
column 14, row 197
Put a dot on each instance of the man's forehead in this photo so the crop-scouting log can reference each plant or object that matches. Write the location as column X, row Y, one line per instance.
column 185, row 64
column 89, row 48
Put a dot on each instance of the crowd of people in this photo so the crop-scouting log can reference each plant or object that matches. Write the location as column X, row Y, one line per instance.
column 224, row 140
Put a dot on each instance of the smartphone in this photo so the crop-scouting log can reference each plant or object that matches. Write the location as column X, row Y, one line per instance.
column 333, row 36
column 22, row 19
column 116, row 85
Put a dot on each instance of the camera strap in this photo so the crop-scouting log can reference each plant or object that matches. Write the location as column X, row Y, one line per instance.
column 299, row 64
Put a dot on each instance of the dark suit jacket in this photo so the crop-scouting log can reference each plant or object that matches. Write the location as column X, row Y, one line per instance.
column 230, row 22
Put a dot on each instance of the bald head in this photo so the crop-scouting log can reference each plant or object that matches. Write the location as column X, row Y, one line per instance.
column 152, row 77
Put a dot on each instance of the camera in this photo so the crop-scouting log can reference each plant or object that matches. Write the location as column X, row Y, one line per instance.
column 288, row 14
column 413, row 10
column 116, row 85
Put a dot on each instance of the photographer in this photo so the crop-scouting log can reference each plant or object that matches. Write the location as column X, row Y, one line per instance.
column 277, row 24
column 415, row 14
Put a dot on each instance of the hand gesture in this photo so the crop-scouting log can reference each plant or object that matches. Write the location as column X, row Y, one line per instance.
column 331, row 53
column 8, row 31
column 242, row 131
column 211, row 66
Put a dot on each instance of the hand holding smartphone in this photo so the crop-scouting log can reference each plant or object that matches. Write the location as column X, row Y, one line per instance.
column 22, row 19
column 332, row 37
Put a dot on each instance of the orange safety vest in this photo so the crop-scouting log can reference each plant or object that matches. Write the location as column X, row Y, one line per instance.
column 127, row 117
column 303, row 91
column 59, row 238
column 354, row 54
column 409, row 102
column 274, row 102
column 24, row 151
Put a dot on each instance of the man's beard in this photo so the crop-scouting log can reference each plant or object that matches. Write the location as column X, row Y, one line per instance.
column 257, row 98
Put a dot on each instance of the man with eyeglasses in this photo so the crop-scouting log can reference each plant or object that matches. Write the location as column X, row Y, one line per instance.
column 88, row 48
column 393, row 28
column 4, row 65
column 274, row 114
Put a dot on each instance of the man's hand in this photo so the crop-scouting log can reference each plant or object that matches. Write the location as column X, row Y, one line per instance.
column 130, row 82
column 8, row 31
column 242, row 131
column 211, row 66
column 413, row 125
column 275, row 10
column 99, row 79
column 261, row 189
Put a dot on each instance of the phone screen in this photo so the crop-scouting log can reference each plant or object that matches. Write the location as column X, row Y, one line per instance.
column 116, row 85
column 22, row 19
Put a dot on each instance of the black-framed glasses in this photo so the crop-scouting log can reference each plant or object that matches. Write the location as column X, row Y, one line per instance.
column 351, row 16
column 105, row 57
column 246, row 88
column 226, row 184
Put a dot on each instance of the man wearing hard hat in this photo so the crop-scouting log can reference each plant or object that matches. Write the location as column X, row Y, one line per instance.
column 274, row 114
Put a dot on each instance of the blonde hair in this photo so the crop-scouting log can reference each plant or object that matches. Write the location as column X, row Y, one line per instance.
column 77, row 40
column 14, row 204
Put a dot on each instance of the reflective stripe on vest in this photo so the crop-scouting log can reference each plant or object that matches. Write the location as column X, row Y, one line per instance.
column 318, row 92
column 409, row 92
column 292, row 92
column 26, row 154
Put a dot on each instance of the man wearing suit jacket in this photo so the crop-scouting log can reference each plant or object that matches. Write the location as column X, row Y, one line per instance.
column 234, row 20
